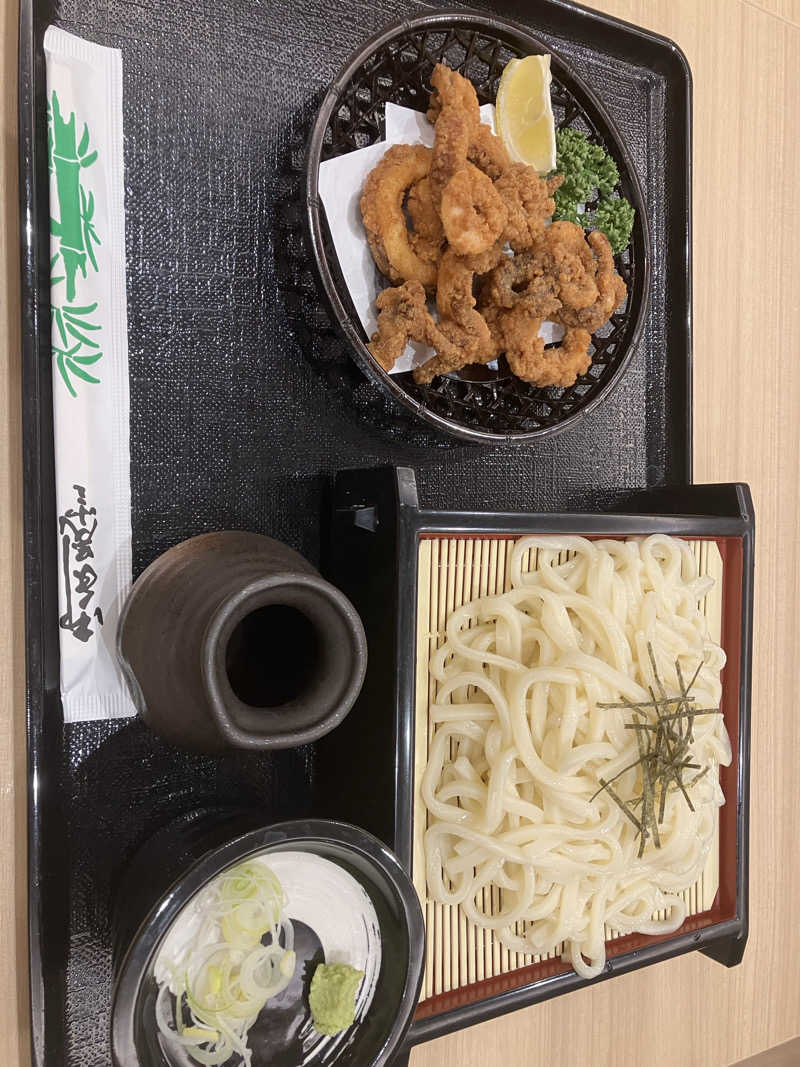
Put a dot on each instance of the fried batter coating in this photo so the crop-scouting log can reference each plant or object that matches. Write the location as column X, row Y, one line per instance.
column 573, row 264
column 611, row 289
column 427, row 238
column 458, row 320
column 517, row 333
column 454, row 299
column 488, row 152
column 472, row 344
column 483, row 262
column 528, row 205
column 382, row 212
column 473, row 214
column 455, row 106
column 466, row 202
column 403, row 317
column 452, row 90
column 380, row 257
column 521, row 279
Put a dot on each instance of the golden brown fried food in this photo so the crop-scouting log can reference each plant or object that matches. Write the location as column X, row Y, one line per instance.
column 380, row 257
column 488, row 152
column 528, row 202
column 517, row 334
column 610, row 288
column 458, row 320
column 522, row 278
column 454, row 299
column 449, row 151
column 466, row 202
column 427, row 238
column 455, row 106
column 452, row 90
column 572, row 262
column 384, row 220
column 403, row 317
column 485, row 150
column 472, row 344
column 473, row 214
column 483, row 262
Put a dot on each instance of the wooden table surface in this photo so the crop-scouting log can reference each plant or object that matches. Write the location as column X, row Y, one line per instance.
column 745, row 55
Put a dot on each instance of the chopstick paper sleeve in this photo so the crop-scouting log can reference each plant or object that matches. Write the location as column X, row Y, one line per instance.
column 90, row 369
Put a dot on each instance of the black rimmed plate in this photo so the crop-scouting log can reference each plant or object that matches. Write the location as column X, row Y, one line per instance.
column 176, row 864
column 395, row 66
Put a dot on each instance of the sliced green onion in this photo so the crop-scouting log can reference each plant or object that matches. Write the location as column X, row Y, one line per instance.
column 241, row 957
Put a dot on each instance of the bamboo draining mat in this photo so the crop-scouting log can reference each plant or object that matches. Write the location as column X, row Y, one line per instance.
column 451, row 572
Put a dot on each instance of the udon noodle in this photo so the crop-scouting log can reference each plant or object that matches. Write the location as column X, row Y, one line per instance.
column 522, row 741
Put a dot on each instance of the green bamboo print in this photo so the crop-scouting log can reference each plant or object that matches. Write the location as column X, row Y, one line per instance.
column 74, row 330
column 77, row 347
column 74, row 226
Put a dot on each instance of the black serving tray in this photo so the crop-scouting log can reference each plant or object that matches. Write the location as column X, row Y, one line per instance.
column 245, row 399
column 377, row 526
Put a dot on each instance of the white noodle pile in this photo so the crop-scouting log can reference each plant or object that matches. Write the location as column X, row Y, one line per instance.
column 521, row 743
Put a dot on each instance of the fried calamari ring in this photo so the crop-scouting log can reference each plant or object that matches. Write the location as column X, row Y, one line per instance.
column 516, row 332
column 521, row 279
column 473, row 214
column 611, row 290
column 403, row 317
column 384, row 220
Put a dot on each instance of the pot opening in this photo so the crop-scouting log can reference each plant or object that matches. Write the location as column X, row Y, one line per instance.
column 272, row 655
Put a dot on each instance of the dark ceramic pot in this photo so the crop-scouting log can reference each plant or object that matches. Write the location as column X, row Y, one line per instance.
column 233, row 640
column 183, row 857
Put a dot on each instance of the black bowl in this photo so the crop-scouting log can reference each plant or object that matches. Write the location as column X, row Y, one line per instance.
column 396, row 65
column 175, row 864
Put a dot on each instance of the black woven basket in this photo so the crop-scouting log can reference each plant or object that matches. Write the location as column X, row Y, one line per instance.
column 396, row 65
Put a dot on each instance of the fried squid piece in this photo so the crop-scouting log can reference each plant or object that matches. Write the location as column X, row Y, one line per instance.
column 488, row 152
column 454, row 110
column 516, row 332
column 473, row 213
column 384, row 220
column 610, row 289
column 463, row 326
column 427, row 237
column 403, row 317
column 529, row 204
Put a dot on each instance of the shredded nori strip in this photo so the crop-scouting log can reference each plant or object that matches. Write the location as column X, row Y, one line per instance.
column 663, row 750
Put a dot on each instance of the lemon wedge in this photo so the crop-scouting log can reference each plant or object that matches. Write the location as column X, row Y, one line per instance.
column 525, row 113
